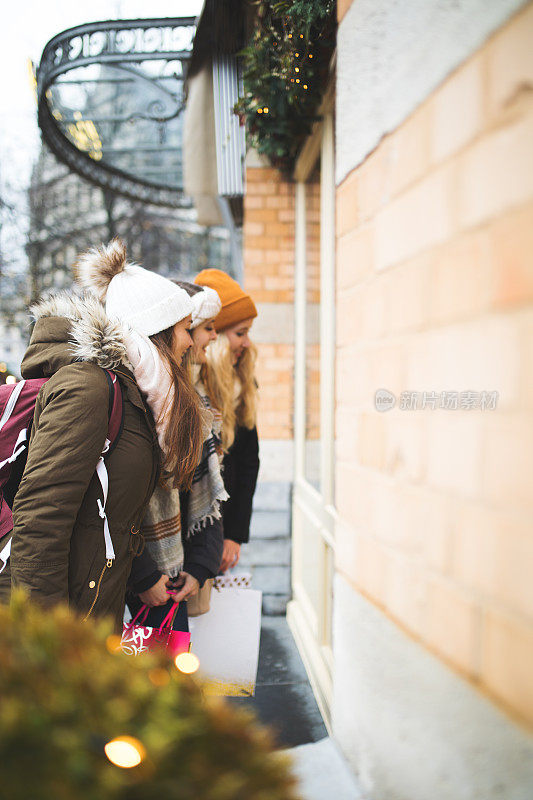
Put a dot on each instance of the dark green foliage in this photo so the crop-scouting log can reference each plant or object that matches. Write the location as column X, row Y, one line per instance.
column 64, row 695
column 285, row 71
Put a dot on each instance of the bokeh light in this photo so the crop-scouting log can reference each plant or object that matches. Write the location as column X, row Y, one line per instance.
column 159, row 677
column 187, row 662
column 113, row 643
column 125, row 752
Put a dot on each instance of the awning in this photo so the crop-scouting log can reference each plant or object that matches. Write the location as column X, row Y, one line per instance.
column 199, row 148
column 214, row 146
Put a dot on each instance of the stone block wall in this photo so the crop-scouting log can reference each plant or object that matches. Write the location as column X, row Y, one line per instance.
column 435, row 236
column 435, row 294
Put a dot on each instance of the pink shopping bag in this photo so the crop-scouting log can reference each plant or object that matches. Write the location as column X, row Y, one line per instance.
column 138, row 638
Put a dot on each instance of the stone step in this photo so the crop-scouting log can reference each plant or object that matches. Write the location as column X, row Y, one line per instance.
column 266, row 552
column 275, row 605
column 272, row 496
column 270, row 525
column 271, row 579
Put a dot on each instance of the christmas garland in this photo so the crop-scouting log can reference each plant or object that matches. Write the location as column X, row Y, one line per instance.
column 285, row 69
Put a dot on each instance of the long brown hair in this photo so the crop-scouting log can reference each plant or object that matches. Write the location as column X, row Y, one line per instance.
column 183, row 438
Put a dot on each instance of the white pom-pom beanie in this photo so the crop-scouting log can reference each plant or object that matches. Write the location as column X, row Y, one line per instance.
column 146, row 301
column 206, row 305
column 142, row 299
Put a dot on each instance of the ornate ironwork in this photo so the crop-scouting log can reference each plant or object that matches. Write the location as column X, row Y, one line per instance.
column 110, row 96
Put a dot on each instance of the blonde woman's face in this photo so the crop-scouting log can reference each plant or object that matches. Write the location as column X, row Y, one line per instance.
column 181, row 338
column 201, row 336
column 238, row 338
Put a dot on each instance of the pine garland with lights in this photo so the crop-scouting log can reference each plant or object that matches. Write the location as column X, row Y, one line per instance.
column 76, row 712
column 285, row 69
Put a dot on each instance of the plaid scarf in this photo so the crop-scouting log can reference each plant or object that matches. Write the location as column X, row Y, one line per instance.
column 162, row 523
column 161, row 529
column 207, row 490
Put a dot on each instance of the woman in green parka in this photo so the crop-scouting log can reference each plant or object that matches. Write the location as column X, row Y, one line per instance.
column 58, row 550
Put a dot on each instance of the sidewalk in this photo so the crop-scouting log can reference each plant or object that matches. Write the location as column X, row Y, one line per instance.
column 324, row 773
column 284, row 700
column 283, row 697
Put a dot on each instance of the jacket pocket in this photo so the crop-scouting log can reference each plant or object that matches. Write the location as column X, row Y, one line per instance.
column 97, row 584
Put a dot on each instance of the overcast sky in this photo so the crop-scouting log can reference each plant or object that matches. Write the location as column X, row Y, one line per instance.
column 27, row 25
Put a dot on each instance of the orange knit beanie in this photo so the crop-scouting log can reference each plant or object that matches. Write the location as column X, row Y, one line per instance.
column 236, row 304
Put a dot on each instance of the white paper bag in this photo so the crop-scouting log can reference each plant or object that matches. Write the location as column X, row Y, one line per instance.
column 226, row 640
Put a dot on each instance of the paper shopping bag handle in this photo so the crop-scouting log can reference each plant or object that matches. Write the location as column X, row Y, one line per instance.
column 170, row 616
column 144, row 608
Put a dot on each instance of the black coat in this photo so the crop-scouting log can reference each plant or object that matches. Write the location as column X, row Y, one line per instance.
column 241, row 465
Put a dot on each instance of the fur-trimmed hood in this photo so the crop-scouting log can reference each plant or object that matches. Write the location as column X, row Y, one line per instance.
column 70, row 328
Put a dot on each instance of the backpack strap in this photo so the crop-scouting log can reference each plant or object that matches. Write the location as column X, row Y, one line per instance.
column 4, row 555
column 103, row 477
column 10, row 405
column 20, row 446
column 114, row 429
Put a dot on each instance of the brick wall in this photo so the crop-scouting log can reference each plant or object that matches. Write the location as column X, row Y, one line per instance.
column 268, row 252
column 268, row 242
column 435, row 292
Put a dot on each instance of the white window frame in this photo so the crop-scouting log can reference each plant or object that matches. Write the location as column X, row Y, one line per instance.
column 313, row 509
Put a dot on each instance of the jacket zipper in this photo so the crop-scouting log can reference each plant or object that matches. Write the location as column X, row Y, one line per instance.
column 107, row 565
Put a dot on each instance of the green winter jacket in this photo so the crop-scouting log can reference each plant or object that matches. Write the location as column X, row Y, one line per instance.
column 58, row 548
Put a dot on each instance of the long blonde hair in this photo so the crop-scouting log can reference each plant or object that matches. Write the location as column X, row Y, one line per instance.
column 218, row 377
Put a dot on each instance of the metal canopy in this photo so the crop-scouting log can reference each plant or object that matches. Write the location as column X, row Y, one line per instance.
column 110, row 97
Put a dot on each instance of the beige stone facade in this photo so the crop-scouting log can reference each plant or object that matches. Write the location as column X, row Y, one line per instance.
column 435, row 293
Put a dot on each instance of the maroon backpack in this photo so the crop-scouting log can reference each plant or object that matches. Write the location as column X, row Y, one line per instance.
column 17, row 404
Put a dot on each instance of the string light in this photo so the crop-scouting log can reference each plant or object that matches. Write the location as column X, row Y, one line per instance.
column 297, row 80
column 265, row 110
column 297, row 69
column 259, row 110
column 297, row 55
column 301, row 36
column 310, row 55
column 290, row 36
column 305, row 86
